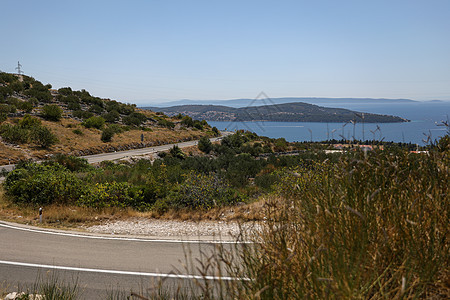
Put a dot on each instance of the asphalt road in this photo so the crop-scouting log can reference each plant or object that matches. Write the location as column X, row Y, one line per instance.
column 99, row 263
column 123, row 154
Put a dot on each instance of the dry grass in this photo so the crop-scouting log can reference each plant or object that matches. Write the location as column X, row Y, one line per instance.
column 72, row 143
column 9, row 154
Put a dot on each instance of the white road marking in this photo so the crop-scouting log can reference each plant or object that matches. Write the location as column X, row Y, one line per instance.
column 178, row 276
column 116, row 238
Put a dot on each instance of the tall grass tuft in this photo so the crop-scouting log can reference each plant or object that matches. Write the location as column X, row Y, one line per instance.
column 371, row 226
column 51, row 287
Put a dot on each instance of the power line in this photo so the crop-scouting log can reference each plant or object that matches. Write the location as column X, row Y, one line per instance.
column 19, row 71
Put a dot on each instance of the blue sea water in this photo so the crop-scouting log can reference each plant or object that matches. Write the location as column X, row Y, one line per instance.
column 424, row 126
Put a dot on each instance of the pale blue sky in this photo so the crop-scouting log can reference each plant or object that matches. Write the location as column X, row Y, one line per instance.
column 144, row 51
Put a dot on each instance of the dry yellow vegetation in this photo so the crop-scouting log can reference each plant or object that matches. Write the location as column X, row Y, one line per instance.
column 89, row 142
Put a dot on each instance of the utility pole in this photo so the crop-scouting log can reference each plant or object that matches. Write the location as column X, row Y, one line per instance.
column 19, row 71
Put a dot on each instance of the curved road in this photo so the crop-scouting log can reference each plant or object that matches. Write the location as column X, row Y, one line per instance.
column 98, row 262
column 123, row 154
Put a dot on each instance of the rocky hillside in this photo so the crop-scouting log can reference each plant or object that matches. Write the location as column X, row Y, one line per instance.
column 37, row 121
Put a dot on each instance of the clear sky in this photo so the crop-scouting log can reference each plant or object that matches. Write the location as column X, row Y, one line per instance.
column 152, row 51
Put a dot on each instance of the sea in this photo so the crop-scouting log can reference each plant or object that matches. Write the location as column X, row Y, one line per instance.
column 426, row 124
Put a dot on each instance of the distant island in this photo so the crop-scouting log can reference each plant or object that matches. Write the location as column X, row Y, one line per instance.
column 270, row 101
column 286, row 112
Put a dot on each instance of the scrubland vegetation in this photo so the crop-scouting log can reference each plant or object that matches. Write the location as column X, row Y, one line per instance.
column 37, row 121
column 370, row 225
column 350, row 225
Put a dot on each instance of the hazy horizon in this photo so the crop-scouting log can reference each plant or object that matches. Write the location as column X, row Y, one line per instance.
column 159, row 51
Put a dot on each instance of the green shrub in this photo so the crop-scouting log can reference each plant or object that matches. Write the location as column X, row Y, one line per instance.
column 107, row 134
column 165, row 123
column 7, row 77
column 117, row 128
column 176, row 152
column 3, row 117
column 205, row 145
column 7, row 108
column 13, row 101
column 82, row 114
column 65, row 91
column 42, row 136
column 126, row 109
column 266, row 181
column 111, row 116
column 77, row 131
column 26, row 106
column 14, row 134
column 39, row 91
column 187, row 121
column 39, row 184
column 94, row 122
column 96, row 109
column 203, row 191
column 74, row 106
column 198, row 125
column 112, row 194
column 28, row 122
column 52, row 112
column 134, row 119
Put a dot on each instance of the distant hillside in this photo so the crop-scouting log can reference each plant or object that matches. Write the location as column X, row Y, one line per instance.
column 271, row 101
column 37, row 121
column 287, row 112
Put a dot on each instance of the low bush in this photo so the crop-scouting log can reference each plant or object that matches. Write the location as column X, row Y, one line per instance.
column 94, row 122
column 113, row 194
column 77, row 131
column 107, row 134
column 39, row 184
column 165, row 123
column 14, row 134
column 82, row 114
column 42, row 136
column 52, row 112
column 28, row 122
column 111, row 116
column 205, row 145
column 202, row 191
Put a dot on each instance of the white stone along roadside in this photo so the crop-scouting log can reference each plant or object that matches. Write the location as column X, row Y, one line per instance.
column 170, row 228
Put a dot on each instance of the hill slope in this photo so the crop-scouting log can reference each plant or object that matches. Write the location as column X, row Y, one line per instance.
column 37, row 121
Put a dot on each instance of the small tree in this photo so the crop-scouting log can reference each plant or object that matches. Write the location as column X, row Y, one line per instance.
column 175, row 151
column 96, row 122
column 216, row 131
column 205, row 145
column 107, row 134
column 52, row 112
column 43, row 137
column 29, row 122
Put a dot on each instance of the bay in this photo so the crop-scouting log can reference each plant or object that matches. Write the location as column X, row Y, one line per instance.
column 425, row 126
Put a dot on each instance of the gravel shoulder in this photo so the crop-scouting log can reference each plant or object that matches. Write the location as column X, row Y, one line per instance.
column 171, row 229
